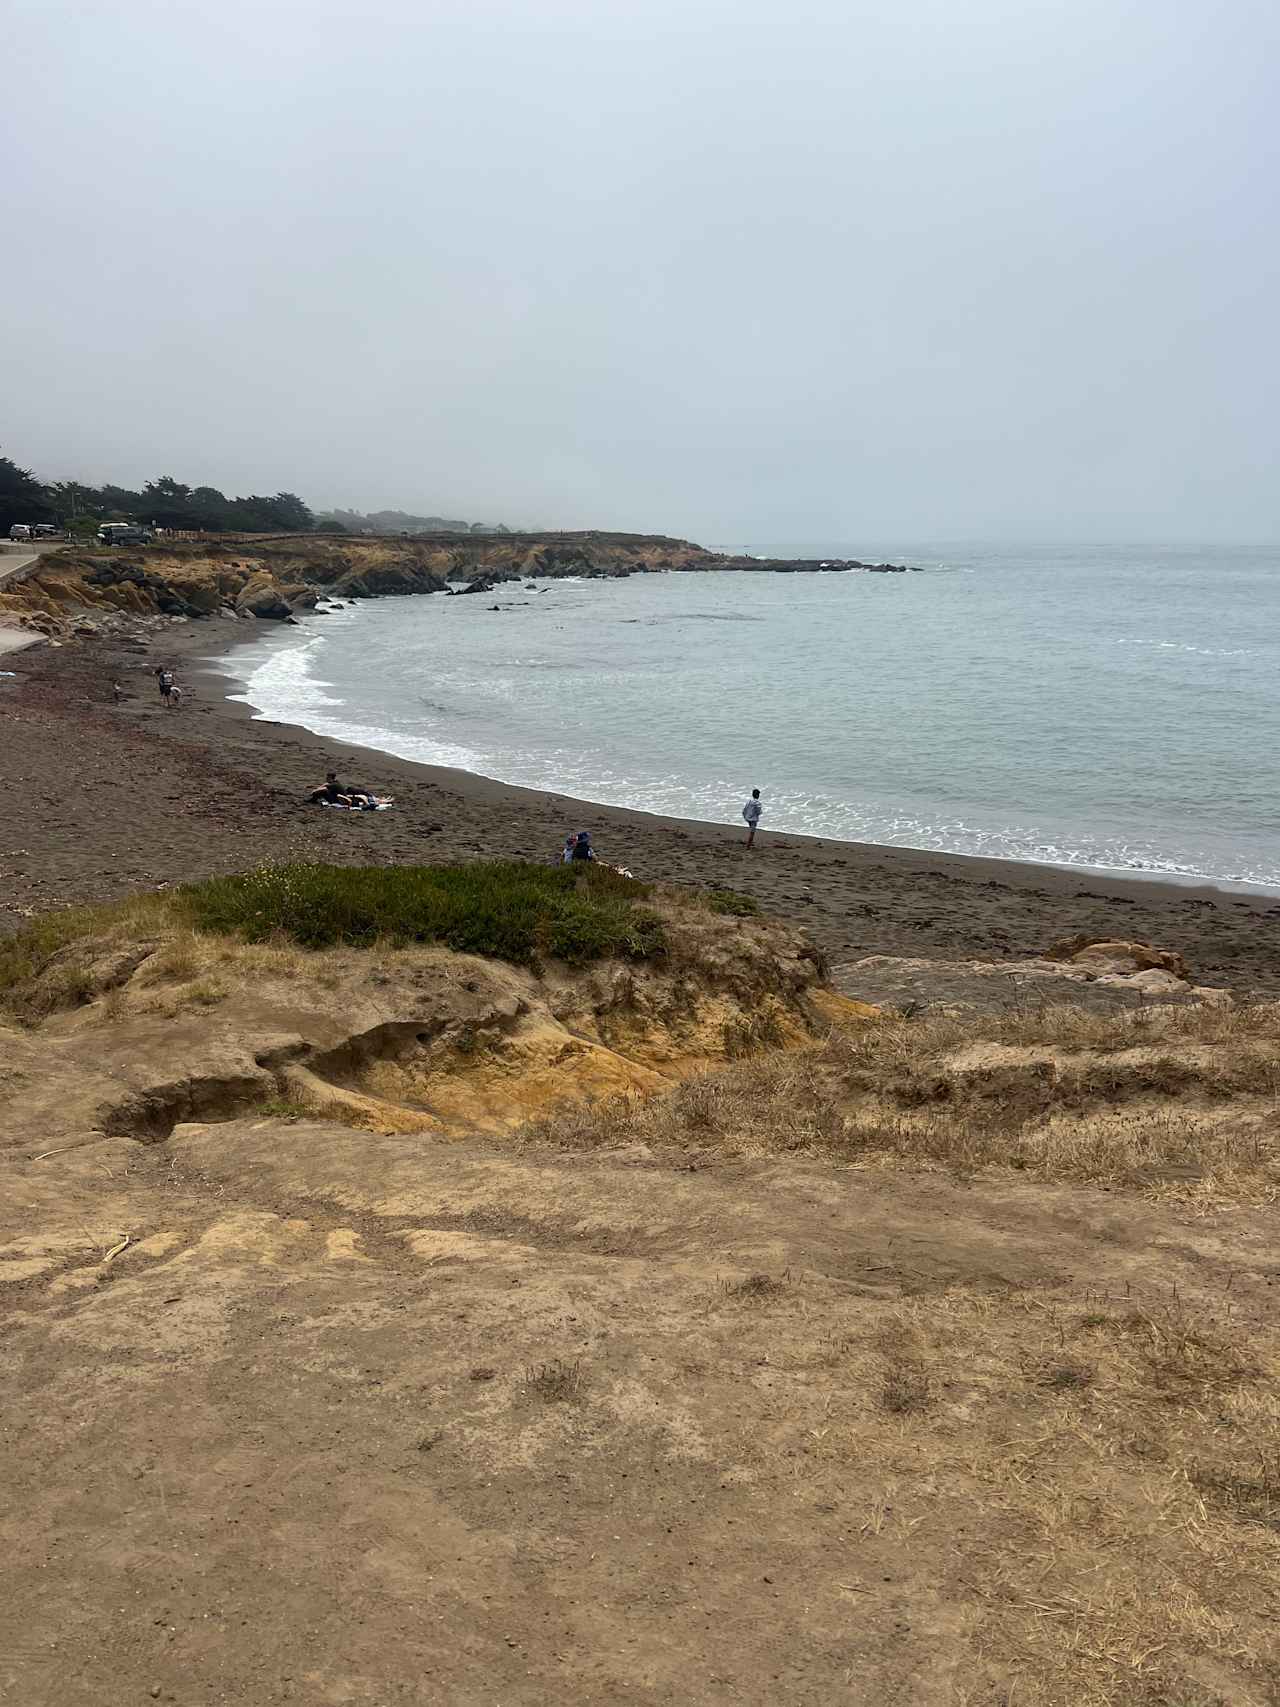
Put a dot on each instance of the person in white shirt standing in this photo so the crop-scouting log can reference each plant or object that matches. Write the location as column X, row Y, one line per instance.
column 751, row 812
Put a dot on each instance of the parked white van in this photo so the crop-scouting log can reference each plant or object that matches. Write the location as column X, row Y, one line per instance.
column 124, row 533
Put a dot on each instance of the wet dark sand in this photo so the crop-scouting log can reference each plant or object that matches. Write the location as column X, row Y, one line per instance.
column 107, row 799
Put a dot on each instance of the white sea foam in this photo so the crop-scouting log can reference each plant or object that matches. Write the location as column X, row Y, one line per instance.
column 1185, row 646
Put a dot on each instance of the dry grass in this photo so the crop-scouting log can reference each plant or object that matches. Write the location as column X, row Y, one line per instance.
column 1068, row 1027
column 744, row 1037
column 1063, row 1375
column 1253, row 1498
column 147, row 960
column 1180, row 1102
column 906, row 1387
column 65, row 959
column 277, row 957
column 284, row 1108
column 554, row 1383
column 1098, row 1481
column 755, row 1288
column 181, row 959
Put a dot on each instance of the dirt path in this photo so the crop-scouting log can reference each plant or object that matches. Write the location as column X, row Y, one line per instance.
column 366, row 1420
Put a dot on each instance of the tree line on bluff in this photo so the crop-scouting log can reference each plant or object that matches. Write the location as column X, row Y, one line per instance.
column 165, row 502
column 168, row 503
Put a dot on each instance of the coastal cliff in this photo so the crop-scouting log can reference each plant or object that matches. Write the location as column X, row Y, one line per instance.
column 269, row 576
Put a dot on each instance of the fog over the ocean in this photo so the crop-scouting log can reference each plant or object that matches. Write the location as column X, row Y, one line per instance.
column 727, row 268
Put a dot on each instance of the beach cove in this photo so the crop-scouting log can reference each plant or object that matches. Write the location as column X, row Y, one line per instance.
column 129, row 797
column 1082, row 708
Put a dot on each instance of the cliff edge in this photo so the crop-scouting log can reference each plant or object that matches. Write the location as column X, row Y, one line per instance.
column 88, row 588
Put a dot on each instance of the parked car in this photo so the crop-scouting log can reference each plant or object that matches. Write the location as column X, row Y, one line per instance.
column 45, row 530
column 124, row 533
column 20, row 530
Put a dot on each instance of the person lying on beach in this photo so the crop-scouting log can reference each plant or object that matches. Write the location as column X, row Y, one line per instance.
column 335, row 793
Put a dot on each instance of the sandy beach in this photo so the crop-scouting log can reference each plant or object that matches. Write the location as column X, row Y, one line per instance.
column 120, row 798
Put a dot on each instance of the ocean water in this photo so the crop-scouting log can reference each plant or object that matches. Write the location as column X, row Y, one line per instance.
column 1103, row 707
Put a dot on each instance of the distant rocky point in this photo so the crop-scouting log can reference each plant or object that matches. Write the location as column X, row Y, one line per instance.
column 83, row 589
column 813, row 565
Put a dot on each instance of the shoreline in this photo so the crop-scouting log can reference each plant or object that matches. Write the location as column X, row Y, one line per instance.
column 207, row 669
column 125, row 798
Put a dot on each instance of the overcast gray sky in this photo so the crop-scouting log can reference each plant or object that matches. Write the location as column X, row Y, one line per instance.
column 734, row 269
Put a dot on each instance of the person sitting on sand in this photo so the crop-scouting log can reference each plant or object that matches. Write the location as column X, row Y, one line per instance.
column 335, row 793
column 332, row 791
column 570, row 842
column 582, row 848
column 752, row 812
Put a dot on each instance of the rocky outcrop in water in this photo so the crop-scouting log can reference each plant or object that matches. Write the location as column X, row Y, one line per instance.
column 267, row 578
column 263, row 598
column 813, row 566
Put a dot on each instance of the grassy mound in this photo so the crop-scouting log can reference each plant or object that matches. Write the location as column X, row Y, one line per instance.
column 520, row 913
column 29, row 953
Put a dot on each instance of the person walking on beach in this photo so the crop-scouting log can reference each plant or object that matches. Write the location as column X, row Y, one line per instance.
column 751, row 812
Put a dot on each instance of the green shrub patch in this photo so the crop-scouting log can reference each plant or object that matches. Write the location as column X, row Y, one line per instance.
column 521, row 913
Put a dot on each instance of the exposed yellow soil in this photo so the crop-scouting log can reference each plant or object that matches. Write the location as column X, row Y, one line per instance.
column 792, row 1360
column 140, row 1022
